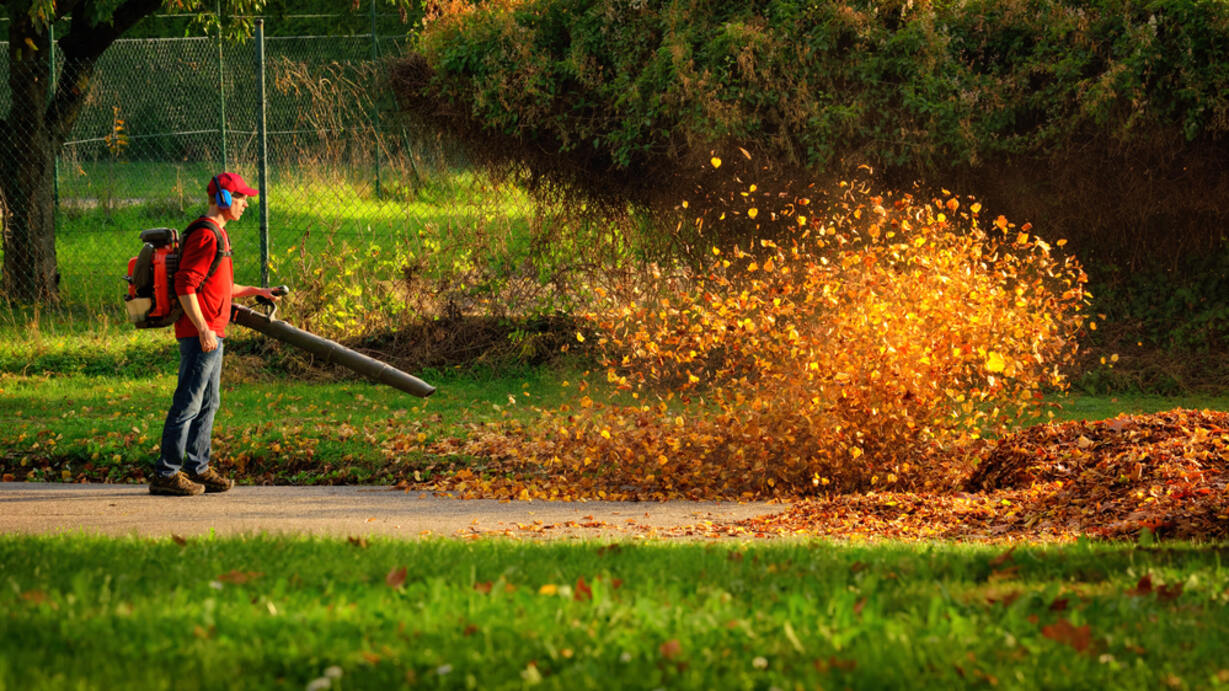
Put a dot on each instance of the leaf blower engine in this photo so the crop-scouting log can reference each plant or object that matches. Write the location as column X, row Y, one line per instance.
column 151, row 300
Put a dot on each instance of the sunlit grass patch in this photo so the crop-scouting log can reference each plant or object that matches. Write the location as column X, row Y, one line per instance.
column 97, row 425
column 371, row 612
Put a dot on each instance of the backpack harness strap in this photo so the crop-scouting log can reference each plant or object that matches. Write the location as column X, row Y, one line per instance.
column 217, row 234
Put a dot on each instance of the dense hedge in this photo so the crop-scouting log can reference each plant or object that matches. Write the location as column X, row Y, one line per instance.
column 926, row 85
column 1102, row 122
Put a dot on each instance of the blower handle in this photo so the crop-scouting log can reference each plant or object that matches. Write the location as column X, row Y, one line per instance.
column 278, row 291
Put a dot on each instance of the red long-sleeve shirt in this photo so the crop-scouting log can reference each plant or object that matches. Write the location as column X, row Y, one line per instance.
column 196, row 254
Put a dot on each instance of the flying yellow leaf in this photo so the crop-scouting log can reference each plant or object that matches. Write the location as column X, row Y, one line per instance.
column 716, row 162
column 995, row 362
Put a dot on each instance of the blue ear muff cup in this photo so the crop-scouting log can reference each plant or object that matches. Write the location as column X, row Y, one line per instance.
column 222, row 197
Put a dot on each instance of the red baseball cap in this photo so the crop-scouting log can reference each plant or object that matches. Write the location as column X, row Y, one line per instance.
column 231, row 182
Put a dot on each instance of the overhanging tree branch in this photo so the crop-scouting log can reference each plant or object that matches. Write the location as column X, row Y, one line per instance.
column 85, row 43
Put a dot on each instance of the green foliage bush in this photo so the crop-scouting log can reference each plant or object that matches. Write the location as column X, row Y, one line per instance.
column 918, row 84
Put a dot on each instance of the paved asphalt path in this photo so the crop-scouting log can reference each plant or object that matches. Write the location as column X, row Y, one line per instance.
column 338, row 511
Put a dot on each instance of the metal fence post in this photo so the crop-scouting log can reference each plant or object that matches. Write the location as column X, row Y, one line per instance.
column 375, row 56
column 221, row 89
column 262, row 132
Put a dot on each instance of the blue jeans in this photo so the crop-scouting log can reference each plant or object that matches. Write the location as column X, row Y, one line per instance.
column 189, row 424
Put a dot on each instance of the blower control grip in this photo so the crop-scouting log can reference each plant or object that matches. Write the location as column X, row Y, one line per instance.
column 278, row 291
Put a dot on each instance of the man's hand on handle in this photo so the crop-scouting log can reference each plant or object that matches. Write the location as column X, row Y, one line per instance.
column 261, row 294
column 267, row 296
column 272, row 293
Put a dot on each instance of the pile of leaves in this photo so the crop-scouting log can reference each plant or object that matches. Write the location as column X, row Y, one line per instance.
column 1166, row 474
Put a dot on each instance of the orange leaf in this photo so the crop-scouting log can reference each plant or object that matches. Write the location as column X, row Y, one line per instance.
column 1143, row 587
column 239, row 577
column 1169, row 592
column 1002, row 558
column 671, row 649
column 395, row 577
column 1062, row 631
column 582, row 590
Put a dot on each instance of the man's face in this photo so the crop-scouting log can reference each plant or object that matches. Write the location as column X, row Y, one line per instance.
column 238, row 203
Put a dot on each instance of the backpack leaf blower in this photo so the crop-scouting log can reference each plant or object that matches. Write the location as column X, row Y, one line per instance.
column 151, row 303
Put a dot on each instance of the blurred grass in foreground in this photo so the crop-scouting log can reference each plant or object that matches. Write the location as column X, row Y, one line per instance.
column 265, row 612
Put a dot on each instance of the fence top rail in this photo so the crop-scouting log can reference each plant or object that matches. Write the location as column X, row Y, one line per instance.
column 231, row 131
column 214, row 39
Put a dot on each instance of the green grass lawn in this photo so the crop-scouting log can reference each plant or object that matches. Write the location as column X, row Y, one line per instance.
column 89, row 404
column 74, row 411
column 265, row 612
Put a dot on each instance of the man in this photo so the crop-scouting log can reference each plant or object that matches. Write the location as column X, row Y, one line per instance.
column 205, row 286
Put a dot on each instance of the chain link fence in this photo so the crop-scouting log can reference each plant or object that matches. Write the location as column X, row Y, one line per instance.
column 343, row 175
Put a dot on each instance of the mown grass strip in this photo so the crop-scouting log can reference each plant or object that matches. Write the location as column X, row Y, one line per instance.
column 276, row 429
column 96, row 414
column 265, row 612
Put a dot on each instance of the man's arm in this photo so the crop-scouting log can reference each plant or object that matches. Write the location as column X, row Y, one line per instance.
column 192, row 308
column 238, row 291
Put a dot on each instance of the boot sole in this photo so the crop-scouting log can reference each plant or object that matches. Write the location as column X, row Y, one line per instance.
column 212, row 489
column 169, row 492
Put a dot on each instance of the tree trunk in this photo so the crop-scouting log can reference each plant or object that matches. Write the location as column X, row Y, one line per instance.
column 27, row 160
column 38, row 125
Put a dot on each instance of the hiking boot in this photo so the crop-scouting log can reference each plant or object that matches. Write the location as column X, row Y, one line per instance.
column 212, row 481
column 177, row 485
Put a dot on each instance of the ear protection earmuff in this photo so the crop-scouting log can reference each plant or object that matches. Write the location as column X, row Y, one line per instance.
column 222, row 197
